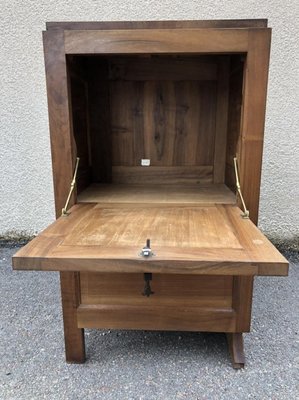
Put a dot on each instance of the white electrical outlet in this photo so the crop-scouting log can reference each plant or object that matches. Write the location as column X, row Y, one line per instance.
column 145, row 162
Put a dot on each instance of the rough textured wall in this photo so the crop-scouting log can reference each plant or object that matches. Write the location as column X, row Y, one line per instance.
column 26, row 203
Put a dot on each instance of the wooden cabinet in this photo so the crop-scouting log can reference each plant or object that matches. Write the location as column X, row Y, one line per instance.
column 162, row 115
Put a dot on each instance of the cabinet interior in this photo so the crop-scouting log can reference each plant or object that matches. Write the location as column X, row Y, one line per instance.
column 180, row 112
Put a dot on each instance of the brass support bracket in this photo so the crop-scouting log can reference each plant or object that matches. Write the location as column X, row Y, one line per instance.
column 245, row 213
column 65, row 212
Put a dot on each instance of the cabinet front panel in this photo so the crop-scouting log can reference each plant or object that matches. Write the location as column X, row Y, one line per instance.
column 169, row 290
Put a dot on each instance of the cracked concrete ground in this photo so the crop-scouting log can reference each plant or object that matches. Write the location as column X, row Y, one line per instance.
column 144, row 365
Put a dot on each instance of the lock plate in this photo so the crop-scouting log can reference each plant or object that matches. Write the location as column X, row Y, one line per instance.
column 146, row 251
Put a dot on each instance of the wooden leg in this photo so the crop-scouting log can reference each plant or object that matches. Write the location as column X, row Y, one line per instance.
column 73, row 336
column 242, row 302
column 236, row 349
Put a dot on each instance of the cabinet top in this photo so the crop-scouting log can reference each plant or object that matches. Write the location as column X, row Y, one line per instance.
column 217, row 23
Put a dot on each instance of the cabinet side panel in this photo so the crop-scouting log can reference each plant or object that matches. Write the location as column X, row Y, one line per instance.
column 62, row 146
column 234, row 117
column 63, row 155
column 100, row 120
column 221, row 119
column 250, row 149
column 78, row 93
column 253, row 118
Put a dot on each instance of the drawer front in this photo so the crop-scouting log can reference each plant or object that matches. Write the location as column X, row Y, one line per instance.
column 169, row 290
column 179, row 302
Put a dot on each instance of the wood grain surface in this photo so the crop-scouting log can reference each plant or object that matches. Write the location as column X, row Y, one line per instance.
column 152, row 195
column 196, row 240
column 253, row 117
column 221, row 119
column 171, row 123
column 169, row 290
column 159, row 175
column 60, row 122
column 156, row 41
column 162, row 108
column 216, row 23
column 63, row 150
column 150, row 67
column 236, row 349
column 73, row 335
column 156, row 318
column 183, row 228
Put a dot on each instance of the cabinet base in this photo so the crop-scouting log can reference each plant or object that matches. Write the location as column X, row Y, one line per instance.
column 235, row 346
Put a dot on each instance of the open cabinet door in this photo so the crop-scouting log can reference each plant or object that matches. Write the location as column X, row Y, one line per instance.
column 211, row 240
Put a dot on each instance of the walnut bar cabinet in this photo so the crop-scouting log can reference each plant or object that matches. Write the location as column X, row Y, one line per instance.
column 156, row 138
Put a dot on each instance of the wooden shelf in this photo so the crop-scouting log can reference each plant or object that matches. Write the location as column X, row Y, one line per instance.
column 188, row 195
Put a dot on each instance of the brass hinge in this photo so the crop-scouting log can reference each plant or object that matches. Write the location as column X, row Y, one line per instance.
column 64, row 212
column 245, row 213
